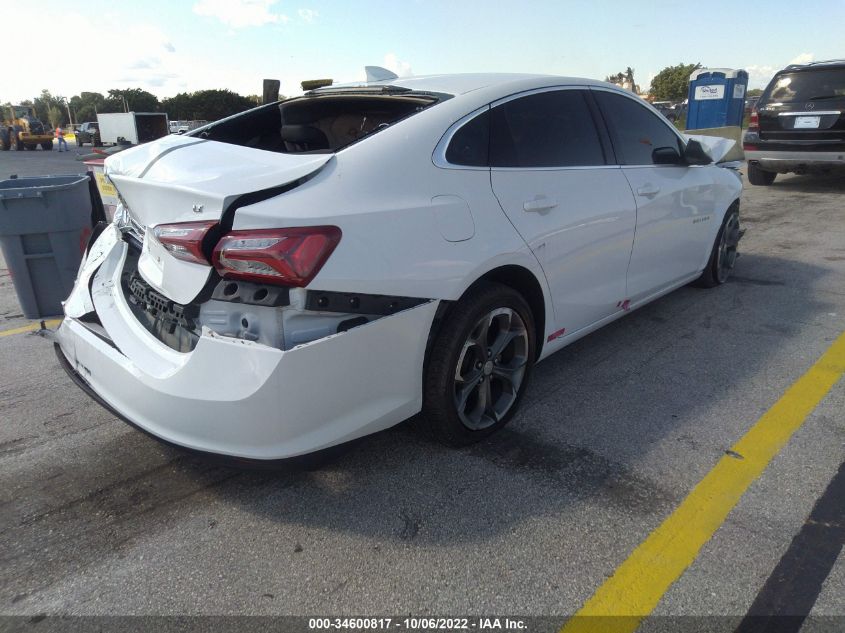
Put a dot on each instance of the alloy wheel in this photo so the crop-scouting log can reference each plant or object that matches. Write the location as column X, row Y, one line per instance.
column 490, row 368
column 726, row 258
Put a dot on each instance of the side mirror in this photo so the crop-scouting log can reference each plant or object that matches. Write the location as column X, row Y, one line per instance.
column 694, row 154
column 666, row 156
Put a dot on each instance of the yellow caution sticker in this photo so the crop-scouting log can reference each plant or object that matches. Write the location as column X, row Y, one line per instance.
column 105, row 187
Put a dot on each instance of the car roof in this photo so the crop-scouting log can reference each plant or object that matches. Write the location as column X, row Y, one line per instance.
column 827, row 63
column 458, row 84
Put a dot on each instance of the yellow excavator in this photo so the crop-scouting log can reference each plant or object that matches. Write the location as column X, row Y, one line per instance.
column 22, row 129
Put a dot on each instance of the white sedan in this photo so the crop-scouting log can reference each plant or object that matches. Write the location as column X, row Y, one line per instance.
column 322, row 268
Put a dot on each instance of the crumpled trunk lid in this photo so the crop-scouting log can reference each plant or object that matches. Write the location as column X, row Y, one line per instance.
column 189, row 179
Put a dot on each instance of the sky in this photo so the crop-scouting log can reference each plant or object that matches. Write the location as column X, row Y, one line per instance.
column 171, row 46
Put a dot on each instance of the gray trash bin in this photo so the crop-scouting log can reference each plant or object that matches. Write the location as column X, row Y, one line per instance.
column 45, row 223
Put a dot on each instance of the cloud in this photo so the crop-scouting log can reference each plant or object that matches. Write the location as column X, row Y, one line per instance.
column 146, row 55
column 239, row 14
column 308, row 15
column 396, row 65
column 803, row 58
column 760, row 75
column 144, row 64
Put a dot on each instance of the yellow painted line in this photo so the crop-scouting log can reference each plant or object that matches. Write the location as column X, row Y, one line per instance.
column 639, row 583
column 32, row 327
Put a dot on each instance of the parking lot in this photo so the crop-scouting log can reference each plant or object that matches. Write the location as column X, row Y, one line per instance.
column 614, row 434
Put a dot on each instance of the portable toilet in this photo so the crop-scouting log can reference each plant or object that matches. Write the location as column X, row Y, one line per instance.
column 716, row 98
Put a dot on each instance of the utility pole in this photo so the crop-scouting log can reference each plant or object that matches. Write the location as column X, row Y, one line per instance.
column 271, row 90
column 69, row 115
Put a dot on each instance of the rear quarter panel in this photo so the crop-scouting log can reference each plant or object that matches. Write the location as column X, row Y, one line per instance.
column 380, row 193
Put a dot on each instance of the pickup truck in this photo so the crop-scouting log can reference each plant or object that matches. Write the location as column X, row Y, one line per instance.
column 88, row 133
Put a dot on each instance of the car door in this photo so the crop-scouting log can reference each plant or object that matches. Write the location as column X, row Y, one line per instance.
column 553, row 177
column 675, row 202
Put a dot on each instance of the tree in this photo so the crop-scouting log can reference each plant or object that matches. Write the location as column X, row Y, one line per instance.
column 44, row 102
column 671, row 83
column 209, row 105
column 754, row 92
column 85, row 106
column 624, row 79
column 55, row 115
column 134, row 100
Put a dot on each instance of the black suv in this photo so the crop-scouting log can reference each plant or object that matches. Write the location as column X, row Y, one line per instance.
column 798, row 124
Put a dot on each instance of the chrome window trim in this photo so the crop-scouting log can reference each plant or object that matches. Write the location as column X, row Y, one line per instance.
column 649, row 108
column 536, row 91
column 438, row 157
column 811, row 113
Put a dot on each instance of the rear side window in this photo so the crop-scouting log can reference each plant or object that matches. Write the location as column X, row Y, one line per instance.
column 636, row 131
column 470, row 144
column 547, row 129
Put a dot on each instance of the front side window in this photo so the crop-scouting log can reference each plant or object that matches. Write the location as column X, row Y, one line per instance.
column 546, row 129
column 636, row 130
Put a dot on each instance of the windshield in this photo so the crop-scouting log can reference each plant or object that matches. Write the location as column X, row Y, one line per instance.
column 807, row 85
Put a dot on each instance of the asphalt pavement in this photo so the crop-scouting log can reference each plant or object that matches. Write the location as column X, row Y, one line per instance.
column 614, row 433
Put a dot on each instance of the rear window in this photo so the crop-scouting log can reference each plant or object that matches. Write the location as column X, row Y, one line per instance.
column 322, row 123
column 806, row 85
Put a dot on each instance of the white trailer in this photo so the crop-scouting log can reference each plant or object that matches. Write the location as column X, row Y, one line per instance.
column 132, row 128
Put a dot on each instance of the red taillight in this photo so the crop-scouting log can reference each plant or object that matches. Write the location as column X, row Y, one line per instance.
column 184, row 240
column 754, row 122
column 290, row 257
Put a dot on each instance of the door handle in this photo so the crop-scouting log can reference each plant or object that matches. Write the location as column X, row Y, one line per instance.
column 648, row 190
column 540, row 203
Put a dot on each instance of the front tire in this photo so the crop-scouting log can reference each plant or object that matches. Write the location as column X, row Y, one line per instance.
column 725, row 252
column 47, row 146
column 760, row 177
column 479, row 365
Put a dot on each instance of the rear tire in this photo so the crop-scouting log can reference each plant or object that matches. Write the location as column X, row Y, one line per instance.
column 760, row 177
column 47, row 146
column 479, row 366
column 724, row 253
column 19, row 146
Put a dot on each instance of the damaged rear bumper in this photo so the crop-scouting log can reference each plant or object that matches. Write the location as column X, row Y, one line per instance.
column 236, row 397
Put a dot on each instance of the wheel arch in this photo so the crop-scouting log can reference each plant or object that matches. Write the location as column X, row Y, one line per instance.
column 515, row 276
column 525, row 283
